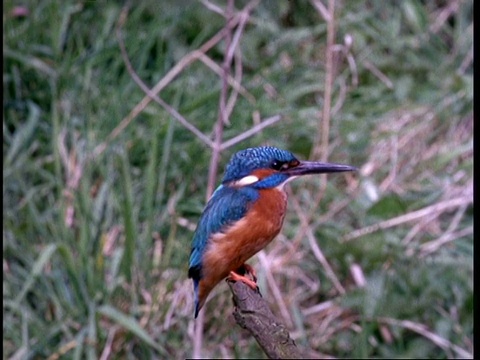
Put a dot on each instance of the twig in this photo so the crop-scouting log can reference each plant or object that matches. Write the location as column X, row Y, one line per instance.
column 323, row 134
column 279, row 299
column 257, row 128
column 73, row 174
column 213, row 7
column 156, row 98
column 317, row 252
column 380, row 75
column 318, row 5
column 318, row 308
column 432, row 246
column 419, row 227
column 443, row 15
column 234, row 82
column 199, row 54
column 414, row 215
column 185, row 61
column 423, row 330
column 321, row 148
column 232, row 99
column 252, row 313
column 222, row 114
column 107, row 350
column 221, row 121
column 213, row 167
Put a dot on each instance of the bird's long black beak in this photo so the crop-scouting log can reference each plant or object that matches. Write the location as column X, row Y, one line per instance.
column 316, row 167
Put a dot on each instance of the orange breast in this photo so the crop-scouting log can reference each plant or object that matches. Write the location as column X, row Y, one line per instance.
column 229, row 250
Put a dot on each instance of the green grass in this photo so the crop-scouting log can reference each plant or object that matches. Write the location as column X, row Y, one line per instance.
column 96, row 247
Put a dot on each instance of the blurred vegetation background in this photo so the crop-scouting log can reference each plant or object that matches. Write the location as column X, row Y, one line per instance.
column 97, row 225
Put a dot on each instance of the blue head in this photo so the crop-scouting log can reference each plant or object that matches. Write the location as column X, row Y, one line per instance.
column 268, row 167
column 248, row 172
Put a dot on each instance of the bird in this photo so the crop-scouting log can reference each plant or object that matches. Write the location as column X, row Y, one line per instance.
column 243, row 215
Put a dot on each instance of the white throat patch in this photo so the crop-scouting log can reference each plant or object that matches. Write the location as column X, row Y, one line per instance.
column 280, row 187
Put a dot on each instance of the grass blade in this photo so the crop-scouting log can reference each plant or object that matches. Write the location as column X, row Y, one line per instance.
column 23, row 134
column 37, row 267
column 127, row 211
column 130, row 324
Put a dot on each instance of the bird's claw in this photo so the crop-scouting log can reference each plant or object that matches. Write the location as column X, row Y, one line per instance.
column 250, row 270
column 233, row 276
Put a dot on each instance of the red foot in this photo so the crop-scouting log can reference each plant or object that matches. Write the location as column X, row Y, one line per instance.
column 235, row 277
column 250, row 270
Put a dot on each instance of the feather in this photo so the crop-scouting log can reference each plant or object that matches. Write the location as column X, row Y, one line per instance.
column 226, row 206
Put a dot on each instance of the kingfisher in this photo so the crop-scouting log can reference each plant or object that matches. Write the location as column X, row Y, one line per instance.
column 244, row 214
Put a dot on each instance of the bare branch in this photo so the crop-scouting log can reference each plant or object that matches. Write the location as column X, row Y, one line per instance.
column 322, row 10
column 185, row 61
column 156, row 98
column 257, row 128
column 279, row 298
column 222, row 114
column 231, row 22
column 413, row 215
column 213, row 7
column 380, row 75
column 252, row 313
column 317, row 252
column 234, row 82
column 432, row 246
column 321, row 148
column 73, row 174
column 423, row 330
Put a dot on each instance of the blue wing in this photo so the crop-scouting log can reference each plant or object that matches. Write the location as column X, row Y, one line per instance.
column 226, row 206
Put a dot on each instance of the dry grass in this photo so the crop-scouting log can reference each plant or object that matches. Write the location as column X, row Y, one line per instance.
column 100, row 206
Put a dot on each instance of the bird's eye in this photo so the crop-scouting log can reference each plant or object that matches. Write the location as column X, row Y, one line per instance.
column 280, row 165
column 277, row 165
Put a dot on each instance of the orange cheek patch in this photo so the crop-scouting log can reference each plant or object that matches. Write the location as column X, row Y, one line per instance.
column 263, row 173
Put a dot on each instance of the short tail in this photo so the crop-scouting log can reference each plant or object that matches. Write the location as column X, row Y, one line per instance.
column 198, row 306
column 200, row 295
